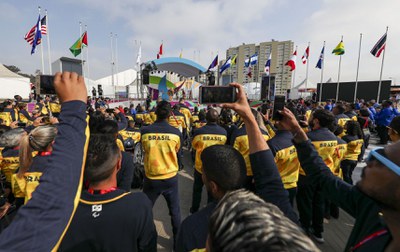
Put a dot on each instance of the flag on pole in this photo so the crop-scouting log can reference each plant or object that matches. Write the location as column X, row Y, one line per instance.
column 76, row 48
column 213, row 64
column 292, row 61
column 247, row 62
column 160, row 51
column 253, row 59
column 305, row 55
column 38, row 36
column 233, row 61
column 379, row 46
column 226, row 65
column 30, row 35
column 339, row 49
column 321, row 59
column 139, row 56
column 43, row 25
column 268, row 65
column 249, row 71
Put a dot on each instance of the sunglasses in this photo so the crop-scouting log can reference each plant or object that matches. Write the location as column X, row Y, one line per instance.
column 379, row 155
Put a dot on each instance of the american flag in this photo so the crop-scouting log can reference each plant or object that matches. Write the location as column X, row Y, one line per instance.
column 30, row 36
column 43, row 27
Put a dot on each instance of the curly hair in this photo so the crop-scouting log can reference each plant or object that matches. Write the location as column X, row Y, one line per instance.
column 244, row 222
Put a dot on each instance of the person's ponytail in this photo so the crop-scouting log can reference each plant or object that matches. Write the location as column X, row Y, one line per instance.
column 38, row 139
column 25, row 155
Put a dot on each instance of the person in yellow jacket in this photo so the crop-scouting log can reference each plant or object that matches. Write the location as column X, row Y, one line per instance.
column 41, row 106
column 24, row 115
column 10, row 158
column 39, row 140
column 208, row 135
column 161, row 143
column 355, row 143
column 240, row 142
column 54, row 106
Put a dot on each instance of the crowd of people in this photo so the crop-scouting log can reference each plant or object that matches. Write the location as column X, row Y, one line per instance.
column 69, row 165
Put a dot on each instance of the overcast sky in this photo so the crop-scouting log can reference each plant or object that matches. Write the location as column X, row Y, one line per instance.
column 201, row 28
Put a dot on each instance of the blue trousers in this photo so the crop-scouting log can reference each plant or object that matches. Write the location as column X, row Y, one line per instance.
column 169, row 189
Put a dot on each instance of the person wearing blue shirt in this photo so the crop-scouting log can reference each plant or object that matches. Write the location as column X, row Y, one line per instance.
column 328, row 105
column 383, row 119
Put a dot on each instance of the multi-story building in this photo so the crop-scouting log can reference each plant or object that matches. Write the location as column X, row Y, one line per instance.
column 281, row 52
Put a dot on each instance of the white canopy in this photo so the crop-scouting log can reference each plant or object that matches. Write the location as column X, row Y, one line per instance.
column 13, row 84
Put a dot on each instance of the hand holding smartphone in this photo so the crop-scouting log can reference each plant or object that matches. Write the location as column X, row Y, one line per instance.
column 279, row 105
column 217, row 94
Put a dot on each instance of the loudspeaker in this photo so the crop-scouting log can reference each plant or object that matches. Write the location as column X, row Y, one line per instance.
column 146, row 77
column 211, row 80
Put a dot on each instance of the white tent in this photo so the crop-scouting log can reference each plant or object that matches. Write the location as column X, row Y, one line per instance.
column 13, row 84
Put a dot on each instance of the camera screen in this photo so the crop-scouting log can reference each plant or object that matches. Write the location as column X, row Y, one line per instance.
column 215, row 94
column 47, row 84
column 279, row 104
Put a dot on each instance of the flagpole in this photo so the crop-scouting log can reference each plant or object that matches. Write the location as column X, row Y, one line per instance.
column 338, row 80
column 380, row 77
column 112, row 59
column 307, row 66
column 294, row 74
column 87, row 57
column 358, row 67
column 41, row 44
column 80, row 35
column 116, row 58
column 48, row 42
column 322, row 74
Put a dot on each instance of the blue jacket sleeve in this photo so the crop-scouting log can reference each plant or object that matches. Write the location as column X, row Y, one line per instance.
column 336, row 190
column 41, row 224
column 269, row 183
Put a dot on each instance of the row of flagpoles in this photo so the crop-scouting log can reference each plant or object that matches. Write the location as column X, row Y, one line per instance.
column 35, row 34
column 339, row 50
column 34, row 38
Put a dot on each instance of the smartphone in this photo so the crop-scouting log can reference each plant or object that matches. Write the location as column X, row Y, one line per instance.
column 110, row 111
column 217, row 94
column 47, row 85
column 21, row 124
column 279, row 104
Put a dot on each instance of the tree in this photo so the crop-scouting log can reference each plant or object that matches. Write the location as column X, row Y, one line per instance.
column 13, row 68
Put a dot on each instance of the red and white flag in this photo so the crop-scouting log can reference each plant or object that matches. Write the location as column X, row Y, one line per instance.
column 305, row 55
column 292, row 62
column 160, row 51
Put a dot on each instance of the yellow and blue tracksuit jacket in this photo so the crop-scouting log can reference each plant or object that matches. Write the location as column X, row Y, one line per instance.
column 325, row 142
column 240, row 142
column 24, row 187
column 342, row 119
column 210, row 134
column 354, row 146
column 285, row 156
column 133, row 133
column 186, row 112
column 177, row 120
column 339, row 155
column 161, row 142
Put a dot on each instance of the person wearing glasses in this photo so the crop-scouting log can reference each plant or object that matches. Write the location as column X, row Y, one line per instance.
column 374, row 201
column 394, row 129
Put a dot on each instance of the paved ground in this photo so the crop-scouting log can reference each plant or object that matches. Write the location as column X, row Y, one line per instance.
column 336, row 231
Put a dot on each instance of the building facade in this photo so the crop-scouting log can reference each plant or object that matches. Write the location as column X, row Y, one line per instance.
column 281, row 52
